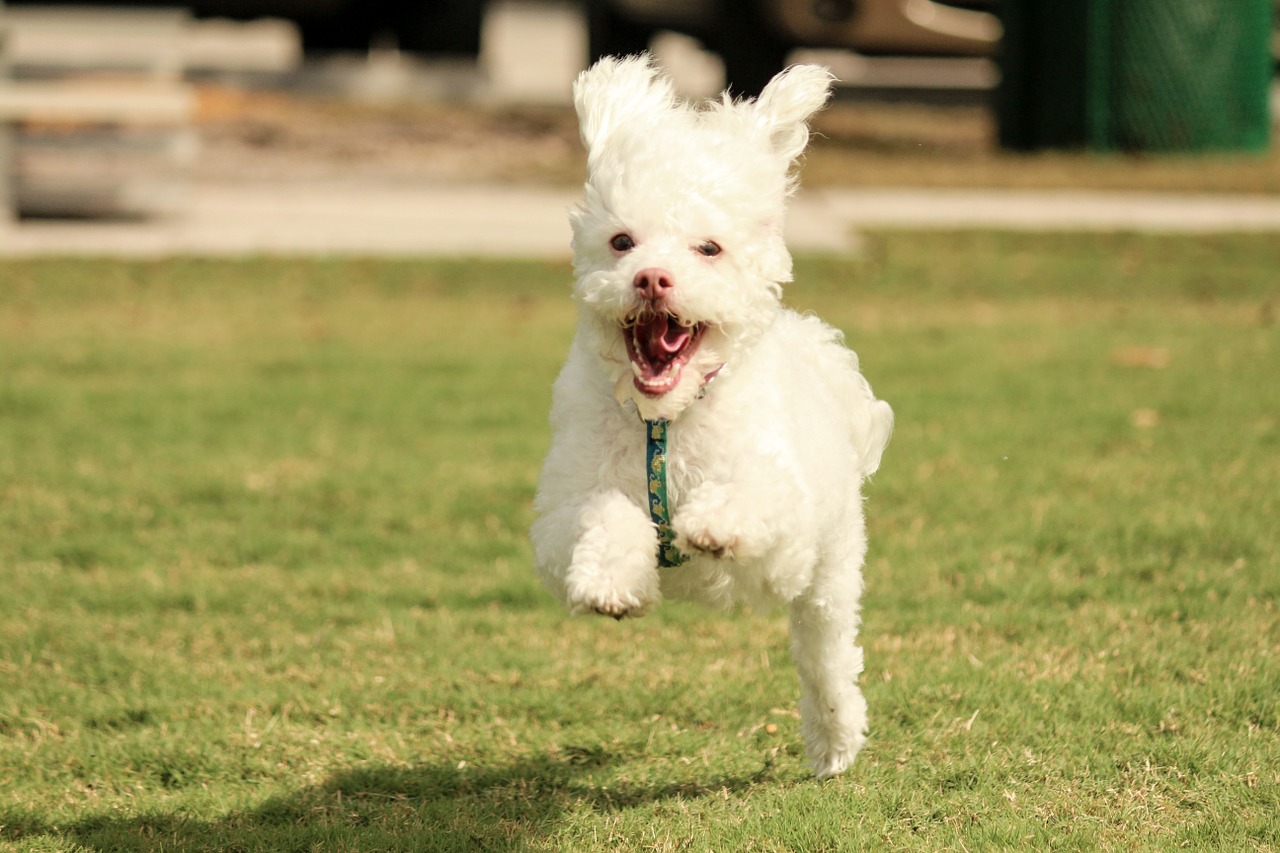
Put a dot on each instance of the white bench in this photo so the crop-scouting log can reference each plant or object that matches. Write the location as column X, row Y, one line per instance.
column 96, row 117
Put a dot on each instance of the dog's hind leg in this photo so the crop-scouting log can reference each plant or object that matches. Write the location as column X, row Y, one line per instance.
column 833, row 712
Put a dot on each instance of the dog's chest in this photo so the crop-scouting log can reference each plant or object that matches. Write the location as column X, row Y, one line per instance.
column 696, row 453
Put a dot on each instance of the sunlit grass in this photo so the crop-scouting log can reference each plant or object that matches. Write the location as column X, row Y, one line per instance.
column 264, row 580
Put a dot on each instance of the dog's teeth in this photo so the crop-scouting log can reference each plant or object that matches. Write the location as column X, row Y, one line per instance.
column 688, row 324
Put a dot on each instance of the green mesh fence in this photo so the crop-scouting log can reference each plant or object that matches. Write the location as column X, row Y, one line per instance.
column 1148, row 75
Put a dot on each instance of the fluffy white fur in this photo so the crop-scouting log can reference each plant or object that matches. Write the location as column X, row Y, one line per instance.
column 678, row 248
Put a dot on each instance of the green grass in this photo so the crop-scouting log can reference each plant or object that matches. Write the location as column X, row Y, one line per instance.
column 264, row 581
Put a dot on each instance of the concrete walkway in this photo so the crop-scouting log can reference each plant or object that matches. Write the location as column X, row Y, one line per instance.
column 346, row 218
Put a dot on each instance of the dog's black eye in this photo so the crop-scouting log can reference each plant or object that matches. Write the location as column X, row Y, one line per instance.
column 622, row 243
column 710, row 248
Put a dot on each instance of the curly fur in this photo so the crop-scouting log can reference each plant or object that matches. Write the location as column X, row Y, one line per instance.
column 678, row 255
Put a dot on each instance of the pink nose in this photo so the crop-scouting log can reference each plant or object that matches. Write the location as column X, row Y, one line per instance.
column 653, row 283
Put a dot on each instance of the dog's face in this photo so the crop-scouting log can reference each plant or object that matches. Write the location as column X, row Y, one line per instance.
column 678, row 249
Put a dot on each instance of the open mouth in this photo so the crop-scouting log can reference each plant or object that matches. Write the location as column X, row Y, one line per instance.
column 659, row 346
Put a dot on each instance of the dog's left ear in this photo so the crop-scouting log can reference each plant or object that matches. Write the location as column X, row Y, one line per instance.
column 787, row 103
column 618, row 90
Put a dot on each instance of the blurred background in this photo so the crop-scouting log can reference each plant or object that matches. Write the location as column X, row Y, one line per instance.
column 208, row 111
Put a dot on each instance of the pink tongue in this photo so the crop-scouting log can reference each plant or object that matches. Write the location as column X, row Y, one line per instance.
column 664, row 337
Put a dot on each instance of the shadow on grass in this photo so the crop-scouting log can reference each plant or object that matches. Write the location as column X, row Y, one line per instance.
column 433, row 807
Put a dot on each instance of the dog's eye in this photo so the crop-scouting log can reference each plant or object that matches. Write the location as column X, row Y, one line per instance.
column 710, row 248
column 622, row 243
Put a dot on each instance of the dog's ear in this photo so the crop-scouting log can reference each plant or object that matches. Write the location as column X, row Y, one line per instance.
column 786, row 104
column 617, row 90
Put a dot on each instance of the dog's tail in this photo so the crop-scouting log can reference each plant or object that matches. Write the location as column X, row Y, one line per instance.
column 869, row 421
column 872, row 423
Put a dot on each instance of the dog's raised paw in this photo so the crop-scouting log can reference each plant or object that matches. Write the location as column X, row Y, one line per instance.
column 712, row 523
column 706, row 542
column 614, row 604
column 616, row 609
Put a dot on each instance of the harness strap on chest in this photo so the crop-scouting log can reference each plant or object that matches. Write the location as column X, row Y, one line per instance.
column 669, row 555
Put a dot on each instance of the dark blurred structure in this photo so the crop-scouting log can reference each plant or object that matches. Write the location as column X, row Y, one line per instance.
column 754, row 37
column 1135, row 75
column 434, row 26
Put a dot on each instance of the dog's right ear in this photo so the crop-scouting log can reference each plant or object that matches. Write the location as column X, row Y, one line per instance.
column 616, row 90
column 788, row 102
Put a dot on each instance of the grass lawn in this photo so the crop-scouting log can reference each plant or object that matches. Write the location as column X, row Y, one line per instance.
column 265, row 584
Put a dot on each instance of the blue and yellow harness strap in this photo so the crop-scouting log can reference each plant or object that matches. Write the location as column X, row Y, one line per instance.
column 669, row 555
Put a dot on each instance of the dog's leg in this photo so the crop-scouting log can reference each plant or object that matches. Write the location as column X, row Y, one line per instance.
column 612, row 569
column 833, row 713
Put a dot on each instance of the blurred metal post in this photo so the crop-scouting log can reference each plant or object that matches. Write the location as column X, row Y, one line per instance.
column 1135, row 75
column 6, row 134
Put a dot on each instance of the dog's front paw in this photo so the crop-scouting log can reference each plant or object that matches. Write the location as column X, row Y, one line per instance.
column 706, row 540
column 711, row 523
column 626, row 585
column 614, row 568
column 608, row 602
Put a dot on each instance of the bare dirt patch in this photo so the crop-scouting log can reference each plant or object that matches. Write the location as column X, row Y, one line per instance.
column 275, row 136
column 281, row 136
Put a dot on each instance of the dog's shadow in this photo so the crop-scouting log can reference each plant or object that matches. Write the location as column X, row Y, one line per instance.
column 430, row 807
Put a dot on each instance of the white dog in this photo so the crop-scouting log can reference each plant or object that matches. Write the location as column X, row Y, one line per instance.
column 708, row 443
